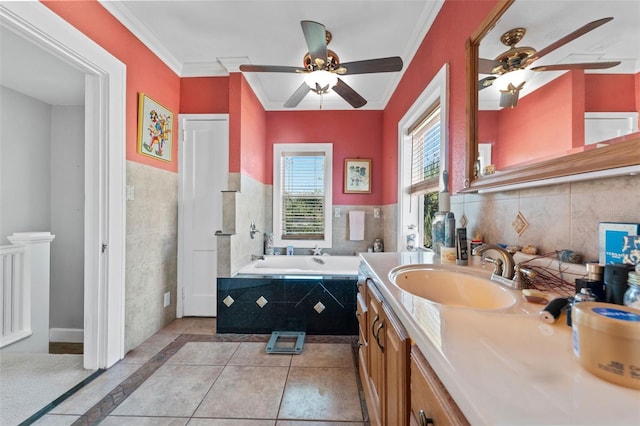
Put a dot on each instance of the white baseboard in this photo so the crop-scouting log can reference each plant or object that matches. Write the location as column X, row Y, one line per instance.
column 69, row 335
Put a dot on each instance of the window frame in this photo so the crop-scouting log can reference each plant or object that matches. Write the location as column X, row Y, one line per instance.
column 280, row 149
column 411, row 207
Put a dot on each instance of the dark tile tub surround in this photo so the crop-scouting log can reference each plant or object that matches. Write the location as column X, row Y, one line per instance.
column 324, row 306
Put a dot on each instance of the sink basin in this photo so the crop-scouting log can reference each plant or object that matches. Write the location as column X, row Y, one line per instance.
column 452, row 288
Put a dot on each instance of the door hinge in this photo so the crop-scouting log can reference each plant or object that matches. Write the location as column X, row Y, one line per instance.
column 104, row 248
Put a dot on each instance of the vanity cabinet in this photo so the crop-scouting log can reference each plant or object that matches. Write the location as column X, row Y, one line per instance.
column 431, row 404
column 396, row 371
column 400, row 386
column 375, row 373
column 384, row 362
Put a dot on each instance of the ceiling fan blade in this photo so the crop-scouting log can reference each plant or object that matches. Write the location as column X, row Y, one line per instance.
column 486, row 66
column 270, row 68
column 582, row 66
column 569, row 37
column 349, row 95
column 486, row 82
column 297, row 96
column 316, row 38
column 391, row 64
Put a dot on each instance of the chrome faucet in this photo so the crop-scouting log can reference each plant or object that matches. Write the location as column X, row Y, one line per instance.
column 506, row 271
column 504, row 268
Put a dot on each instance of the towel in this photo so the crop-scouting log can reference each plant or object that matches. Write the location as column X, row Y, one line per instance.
column 356, row 225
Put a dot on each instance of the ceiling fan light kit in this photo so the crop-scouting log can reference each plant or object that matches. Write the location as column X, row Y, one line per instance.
column 321, row 81
column 321, row 68
column 510, row 70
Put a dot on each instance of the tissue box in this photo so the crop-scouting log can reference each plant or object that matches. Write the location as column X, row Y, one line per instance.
column 611, row 237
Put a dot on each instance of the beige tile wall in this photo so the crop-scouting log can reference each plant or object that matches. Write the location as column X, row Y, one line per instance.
column 253, row 203
column 151, row 252
column 563, row 216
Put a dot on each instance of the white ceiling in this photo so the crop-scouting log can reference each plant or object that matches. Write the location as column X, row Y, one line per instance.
column 203, row 38
column 212, row 38
column 547, row 21
column 28, row 69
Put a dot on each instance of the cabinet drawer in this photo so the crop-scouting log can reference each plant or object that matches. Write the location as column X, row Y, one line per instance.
column 429, row 395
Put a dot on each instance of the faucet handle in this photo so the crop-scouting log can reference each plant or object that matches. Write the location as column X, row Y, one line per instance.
column 530, row 273
column 497, row 264
column 518, row 277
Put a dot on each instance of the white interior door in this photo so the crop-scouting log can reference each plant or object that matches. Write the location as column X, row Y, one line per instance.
column 203, row 177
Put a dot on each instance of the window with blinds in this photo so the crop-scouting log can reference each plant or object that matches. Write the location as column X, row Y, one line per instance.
column 302, row 184
column 303, row 195
column 425, row 151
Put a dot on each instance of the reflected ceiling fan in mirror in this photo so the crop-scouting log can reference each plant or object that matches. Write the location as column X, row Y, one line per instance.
column 511, row 69
column 322, row 68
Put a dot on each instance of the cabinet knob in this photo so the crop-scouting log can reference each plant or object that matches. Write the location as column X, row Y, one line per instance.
column 424, row 420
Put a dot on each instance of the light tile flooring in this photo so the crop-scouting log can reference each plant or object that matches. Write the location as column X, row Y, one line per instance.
column 185, row 374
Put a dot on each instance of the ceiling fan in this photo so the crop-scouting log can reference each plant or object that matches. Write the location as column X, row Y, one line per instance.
column 517, row 60
column 322, row 67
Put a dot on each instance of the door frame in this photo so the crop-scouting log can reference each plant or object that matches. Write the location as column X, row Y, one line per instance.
column 183, row 118
column 105, row 172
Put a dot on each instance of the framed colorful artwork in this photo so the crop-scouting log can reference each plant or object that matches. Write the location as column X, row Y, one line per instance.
column 357, row 176
column 155, row 129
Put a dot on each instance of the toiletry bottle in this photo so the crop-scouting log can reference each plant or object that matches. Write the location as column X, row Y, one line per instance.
column 462, row 255
column 585, row 295
column 412, row 238
column 437, row 231
column 450, row 230
column 632, row 295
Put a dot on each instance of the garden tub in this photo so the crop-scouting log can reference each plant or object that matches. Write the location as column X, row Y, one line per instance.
column 303, row 265
column 314, row 294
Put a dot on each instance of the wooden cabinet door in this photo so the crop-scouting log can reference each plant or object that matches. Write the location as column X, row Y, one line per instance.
column 430, row 401
column 396, row 358
column 375, row 331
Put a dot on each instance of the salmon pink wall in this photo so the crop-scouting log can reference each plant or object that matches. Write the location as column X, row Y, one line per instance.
column 145, row 71
column 637, row 91
column 253, row 146
column 353, row 134
column 247, row 129
column 444, row 43
column 488, row 129
column 204, row 95
column 610, row 93
column 547, row 125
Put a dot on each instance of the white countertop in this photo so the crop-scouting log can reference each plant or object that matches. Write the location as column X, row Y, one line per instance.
column 504, row 367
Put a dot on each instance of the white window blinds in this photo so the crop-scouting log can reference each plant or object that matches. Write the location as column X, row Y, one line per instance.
column 425, row 152
column 303, row 195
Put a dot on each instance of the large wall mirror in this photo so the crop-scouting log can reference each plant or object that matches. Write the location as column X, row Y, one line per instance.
column 574, row 113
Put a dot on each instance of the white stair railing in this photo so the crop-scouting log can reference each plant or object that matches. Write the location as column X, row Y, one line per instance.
column 15, row 297
column 25, row 280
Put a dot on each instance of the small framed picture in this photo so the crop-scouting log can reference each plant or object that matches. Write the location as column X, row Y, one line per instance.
column 357, row 176
column 155, row 129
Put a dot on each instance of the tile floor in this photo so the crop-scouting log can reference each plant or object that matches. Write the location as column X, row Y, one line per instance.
column 187, row 375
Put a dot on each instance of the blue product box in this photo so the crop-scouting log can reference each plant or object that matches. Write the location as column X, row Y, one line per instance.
column 631, row 250
column 611, row 238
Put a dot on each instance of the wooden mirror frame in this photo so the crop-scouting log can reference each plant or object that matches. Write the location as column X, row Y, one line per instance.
column 621, row 154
